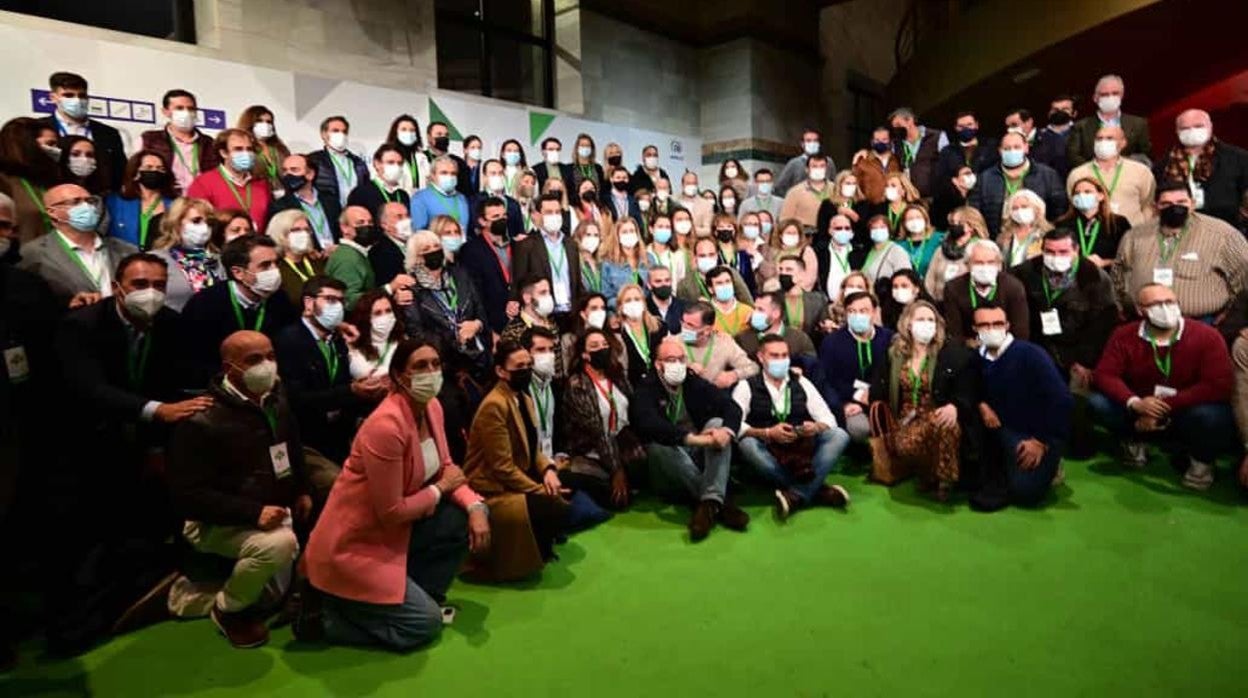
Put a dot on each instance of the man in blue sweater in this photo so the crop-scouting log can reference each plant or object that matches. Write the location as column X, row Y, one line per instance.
column 1026, row 405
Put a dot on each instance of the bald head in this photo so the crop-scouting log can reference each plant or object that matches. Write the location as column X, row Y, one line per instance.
column 244, row 350
column 671, row 347
column 63, row 193
column 353, row 217
column 1195, row 128
column 60, row 199
column 242, row 344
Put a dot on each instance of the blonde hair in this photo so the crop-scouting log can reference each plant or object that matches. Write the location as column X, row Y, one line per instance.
column 902, row 233
column 440, row 223
column 649, row 321
column 171, row 222
column 420, row 239
column 579, row 233
column 911, row 193
column 1041, row 224
column 279, row 227
column 835, row 197
column 615, row 252
column 902, row 347
column 972, row 217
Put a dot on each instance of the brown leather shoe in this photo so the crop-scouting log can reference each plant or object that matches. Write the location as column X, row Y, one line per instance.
column 152, row 608
column 731, row 516
column 703, row 520
column 243, row 629
column 832, row 496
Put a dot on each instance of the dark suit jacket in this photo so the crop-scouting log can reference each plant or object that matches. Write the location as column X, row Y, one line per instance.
column 542, row 170
column 208, row 318
column 674, row 312
column 1011, row 295
column 326, row 182
column 955, row 380
column 530, row 260
column 158, row 140
column 326, row 409
column 647, row 412
column 989, row 193
column 28, row 316
column 515, row 216
column 952, row 158
column 634, row 211
column 1082, row 137
column 387, row 260
column 367, row 194
column 109, row 150
column 476, row 258
column 641, row 179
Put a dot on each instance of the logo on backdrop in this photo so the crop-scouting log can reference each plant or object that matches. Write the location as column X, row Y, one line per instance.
column 115, row 109
column 677, row 150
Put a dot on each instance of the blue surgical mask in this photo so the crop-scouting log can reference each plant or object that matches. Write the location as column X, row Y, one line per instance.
column 75, row 107
column 879, row 235
column 688, row 336
column 859, row 323
column 758, row 320
column 330, row 316
column 447, row 183
column 452, row 243
column 242, row 160
column 706, row 264
column 511, row 157
column 842, row 237
column 723, row 294
column 778, row 368
column 1012, row 157
column 84, row 217
column 767, row 228
column 1084, row 201
column 662, row 235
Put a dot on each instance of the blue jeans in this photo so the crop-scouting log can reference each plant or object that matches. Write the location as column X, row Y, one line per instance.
column 828, row 447
column 1203, row 431
column 1027, row 487
column 437, row 548
column 674, row 470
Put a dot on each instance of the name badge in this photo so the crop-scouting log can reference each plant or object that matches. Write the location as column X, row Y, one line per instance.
column 1165, row 277
column 16, row 365
column 1050, row 322
column 1198, row 195
column 561, row 292
column 861, row 385
column 1190, row 257
column 862, row 389
column 281, row 460
column 546, row 445
column 953, row 271
column 1113, row 206
column 1164, row 391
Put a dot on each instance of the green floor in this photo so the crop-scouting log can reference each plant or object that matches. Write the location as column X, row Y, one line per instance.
column 1125, row 585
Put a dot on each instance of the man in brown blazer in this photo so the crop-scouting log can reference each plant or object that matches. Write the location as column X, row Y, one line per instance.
column 553, row 255
column 519, row 482
column 1108, row 99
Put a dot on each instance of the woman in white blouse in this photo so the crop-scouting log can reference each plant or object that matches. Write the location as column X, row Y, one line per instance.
column 380, row 332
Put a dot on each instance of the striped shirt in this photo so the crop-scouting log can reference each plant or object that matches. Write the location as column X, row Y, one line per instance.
column 1209, row 265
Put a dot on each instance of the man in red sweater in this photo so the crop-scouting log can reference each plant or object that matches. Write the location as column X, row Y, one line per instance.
column 231, row 185
column 1167, row 377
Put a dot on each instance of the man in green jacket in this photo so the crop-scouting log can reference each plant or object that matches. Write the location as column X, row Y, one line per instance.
column 349, row 260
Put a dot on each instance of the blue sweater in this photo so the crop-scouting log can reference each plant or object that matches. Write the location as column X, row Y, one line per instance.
column 429, row 202
column 838, row 360
column 1028, row 394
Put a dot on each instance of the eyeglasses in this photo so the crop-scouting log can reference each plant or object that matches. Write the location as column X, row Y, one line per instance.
column 93, row 200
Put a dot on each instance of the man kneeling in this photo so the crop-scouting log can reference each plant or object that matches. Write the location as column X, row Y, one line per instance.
column 236, row 471
column 789, row 437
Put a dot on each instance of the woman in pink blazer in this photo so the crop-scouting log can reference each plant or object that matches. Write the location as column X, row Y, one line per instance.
column 398, row 523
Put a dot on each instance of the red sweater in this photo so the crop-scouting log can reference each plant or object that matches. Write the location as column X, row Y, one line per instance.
column 1200, row 369
column 212, row 186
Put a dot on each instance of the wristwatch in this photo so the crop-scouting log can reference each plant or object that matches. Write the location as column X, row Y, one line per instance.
column 480, row 505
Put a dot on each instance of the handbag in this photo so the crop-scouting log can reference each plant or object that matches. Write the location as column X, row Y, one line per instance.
column 885, row 469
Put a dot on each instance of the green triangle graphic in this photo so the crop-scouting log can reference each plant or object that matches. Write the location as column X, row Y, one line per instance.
column 538, row 123
column 436, row 114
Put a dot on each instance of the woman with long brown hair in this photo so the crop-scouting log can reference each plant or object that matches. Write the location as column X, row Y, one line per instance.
column 1098, row 229
column 258, row 121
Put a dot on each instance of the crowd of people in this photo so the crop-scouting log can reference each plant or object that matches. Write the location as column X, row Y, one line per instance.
column 269, row 387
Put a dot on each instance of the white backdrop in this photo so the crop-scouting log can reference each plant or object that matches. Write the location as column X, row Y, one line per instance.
column 128, row 81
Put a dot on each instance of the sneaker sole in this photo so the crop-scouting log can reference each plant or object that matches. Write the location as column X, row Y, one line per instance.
column 844, row 493
column 782, row 505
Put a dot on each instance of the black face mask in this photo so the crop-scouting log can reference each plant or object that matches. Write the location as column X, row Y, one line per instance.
column 498, row 228
column 441, row 143
column 153, row 179
column 898, row 133
column 293, row 182
column 367, row 235
column 590, row 197
column 620, row 186
column 1173, row 216
column 520, row 379
column 1060, row 118
column 434, row 260
column 600, row 359
column 786, row 282
column 615, row 160
column 951, row 249
column 662, row 292
column 879, row 147
column 724, row 235
column 966, row 135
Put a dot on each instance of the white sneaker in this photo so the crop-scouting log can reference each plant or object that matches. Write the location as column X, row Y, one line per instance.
column 1199, row 476
column 1135, row 454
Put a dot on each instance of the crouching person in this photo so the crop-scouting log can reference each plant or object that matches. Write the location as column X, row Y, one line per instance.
column 398, row 523
column 789, row 436
column 237, row 477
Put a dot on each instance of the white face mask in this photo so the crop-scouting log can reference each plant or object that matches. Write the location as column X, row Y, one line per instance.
column 81, row 166
column 552, row 157
column 424, row 387
column 381, row 327
column 183, row 119
column 1109, row 103
column 195, row 235
column 903, row 295
column 496, row 183
column 750, row 232
column 629, row 240
column 403, row 229
column 968, row 181
column 764, row 188
column 674, row 373
column 731, row 172
column 267, row 282
column 1023, row 216
column 892, row 193
column 706, row 264
column 633, row 309
column 923, row 331
column 984, row 274
column 643, row 204
column 651, row 162
column 590, row 243
column 818, row 174
column 144, row 303
column 992, row 339
column 1164, row 315
column 730, row 204
column 663, row 194
column 682, row 227
column 473, row 153
column 299, row 241
column 915, row 225
column 544, row 365
column 1059, row 264
column 338, row 140
column 544, row 305
column 260, row 379
column 407, row 138
column 584, row 151
column 596, row 318
column 691, row 190
column 552, row 222
column 810, row 147
column 1194, row 137
column 848, row 190
column 390, row 172
column 262, row 130
column 1105, row 148
column 790, row 239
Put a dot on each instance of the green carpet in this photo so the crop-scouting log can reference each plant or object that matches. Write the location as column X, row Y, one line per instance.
column 1124, row 585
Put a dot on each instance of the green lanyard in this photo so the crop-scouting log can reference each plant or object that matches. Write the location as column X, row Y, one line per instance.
column 270, row 165
column 345, row 170
column 909, row 152
column 594, row 279
column 641, row 344
column 136, row 364
column 842, row 261
column 77, row 259
column 557, row 267
column 307, row 267
column 587, row 172
column 384, row 194
column 192, row 167
column 706, row 293
column 414, row 171
column 448, row 204
column 270, row 416
column 1049, row 294
column 781, row 412
column 706, row 356
column 992, row 295
column 1087, row 239
column 795, row 314
column 916, row 381
column 331, row 358
column 238, row 313
column 36, row 195
column 1163, row 365
column 452, row 294
column 1011, row 189
column 543, row 405
column 1109, row 190
column 145, row 220
column 245, row 205
column 875, row 252
column 675, row 406
column 864, row 349
column 316, row 213
column 916, row 253
column 1161, row 244
column 894, row 218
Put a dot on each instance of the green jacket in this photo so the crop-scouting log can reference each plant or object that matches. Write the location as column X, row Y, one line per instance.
column 351, row 267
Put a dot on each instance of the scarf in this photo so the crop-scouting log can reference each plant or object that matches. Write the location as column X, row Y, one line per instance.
column 1176, row 163
column 199, row 266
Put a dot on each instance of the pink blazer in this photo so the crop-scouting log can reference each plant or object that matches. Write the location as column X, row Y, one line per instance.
column 358, row 549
